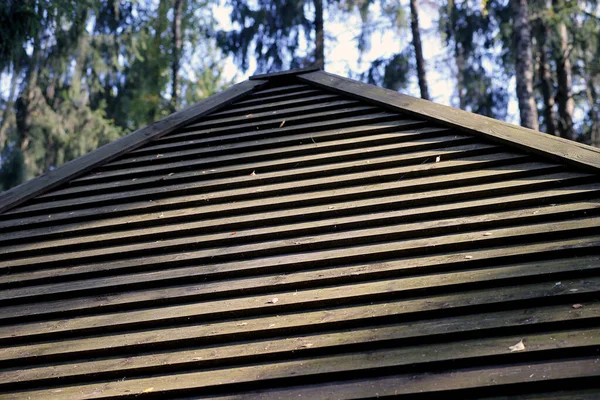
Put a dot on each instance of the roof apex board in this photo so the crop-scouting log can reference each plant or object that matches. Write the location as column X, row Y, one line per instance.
column 51, row 179
column 284, row 74
column 556, row 148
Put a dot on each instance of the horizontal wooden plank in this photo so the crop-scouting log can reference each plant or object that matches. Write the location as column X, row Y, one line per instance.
column 269, row 138
column 387, row 231
column 279, row 201
column 284, row 113
column 478, row 383
column 248, row 101
column 194, row 137
column 330, row 344
column 360, row 364
column 314, row 298
column 272, row 256
column 408, row 154
column 552, row 147
column 547, row 394
column 166, row 269
column 434, row 190
column 197, row 290
column 308, row 225
column 280, row 105
column 379, row 145
column 337, row 307
column 375, row 136
column 280, row 89
column 204, row 135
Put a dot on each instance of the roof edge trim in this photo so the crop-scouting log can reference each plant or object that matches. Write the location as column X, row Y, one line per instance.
column 45, row 182
column 526, row 139
column 284, row 74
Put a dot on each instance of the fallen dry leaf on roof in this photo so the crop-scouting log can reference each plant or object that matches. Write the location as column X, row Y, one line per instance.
column 148, row 390
column 517, row 347
column 576, row 306
column 282, row 124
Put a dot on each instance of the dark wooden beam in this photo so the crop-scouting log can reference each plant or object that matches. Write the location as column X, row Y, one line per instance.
column 528, row 140
column 284, row 74
column 106, row 153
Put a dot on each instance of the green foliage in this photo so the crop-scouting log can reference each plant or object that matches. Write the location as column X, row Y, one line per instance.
column 19, row 23
column 82, row 73
column 473, row 38
column 393, row 73
column 87, row 72
column 272, row 28
column 13, row 167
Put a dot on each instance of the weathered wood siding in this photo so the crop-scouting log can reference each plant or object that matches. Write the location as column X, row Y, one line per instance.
column 303, row 244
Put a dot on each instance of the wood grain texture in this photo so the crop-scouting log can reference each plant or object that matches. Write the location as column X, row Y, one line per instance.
column 377, row 145
column 352, row 251
column 312, row 224
column 495, row 166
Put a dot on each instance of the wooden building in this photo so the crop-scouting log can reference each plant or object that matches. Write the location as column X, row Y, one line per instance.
column 302, row 235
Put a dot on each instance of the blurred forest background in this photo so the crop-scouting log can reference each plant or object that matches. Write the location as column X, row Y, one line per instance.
column 75, row 75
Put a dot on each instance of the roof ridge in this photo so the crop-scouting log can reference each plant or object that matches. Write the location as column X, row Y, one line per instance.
column 284, row 74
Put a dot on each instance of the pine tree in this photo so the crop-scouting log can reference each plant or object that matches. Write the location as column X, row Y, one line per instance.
column 545, row 75
column 177, row 45
column 319, row 35
column 273, row 29
column 524, row 65
column 564, row 97
column 471, row 33
column 416, row 39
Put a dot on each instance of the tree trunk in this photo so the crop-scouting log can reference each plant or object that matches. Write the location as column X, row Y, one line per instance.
column 564, row 97
column 592, row 81
column 26, row 105
column 460, row 77
column 319, row 35
column 524, row 65
column 594, row 113
column 547, row 85
column 80, row 68
column 177, row 44
column 9, row 108
column 416, row 39
column 29, row 95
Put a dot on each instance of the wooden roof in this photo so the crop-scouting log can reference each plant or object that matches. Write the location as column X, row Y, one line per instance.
column 302, row 235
